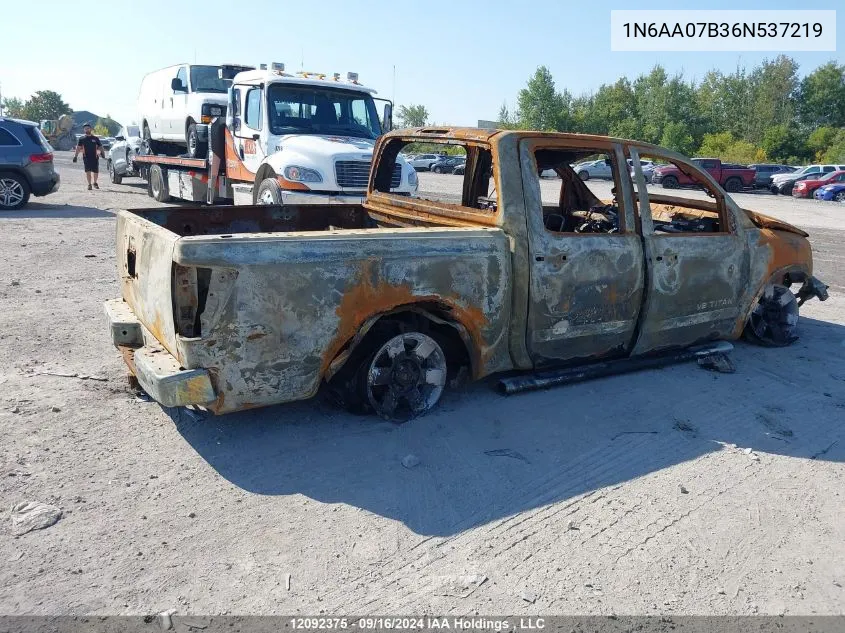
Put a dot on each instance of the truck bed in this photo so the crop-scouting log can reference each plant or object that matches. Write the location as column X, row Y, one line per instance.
column 260, row 303
column 185, row 221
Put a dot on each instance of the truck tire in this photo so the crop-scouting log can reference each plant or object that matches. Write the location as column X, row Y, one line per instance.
column 270, row 193
column 774, row 320
column 14, row 191
column 398, row 375
column 196, row 149
column 113, row 176
column 158, row 188
column 733, row 185
column 670, row 182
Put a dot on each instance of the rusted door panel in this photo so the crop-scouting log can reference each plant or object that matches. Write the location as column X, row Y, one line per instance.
column 695, row 283
column 585, row 289
column 695, row 289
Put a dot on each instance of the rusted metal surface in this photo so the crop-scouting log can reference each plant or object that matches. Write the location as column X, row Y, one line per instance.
column 271, row 309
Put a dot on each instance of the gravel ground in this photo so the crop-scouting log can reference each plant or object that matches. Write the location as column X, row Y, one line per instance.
column 667, row 491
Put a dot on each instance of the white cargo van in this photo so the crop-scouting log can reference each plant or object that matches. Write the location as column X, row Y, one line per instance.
column 173, row 100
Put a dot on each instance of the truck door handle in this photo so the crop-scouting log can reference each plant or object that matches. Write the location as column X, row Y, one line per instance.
column 554, row 259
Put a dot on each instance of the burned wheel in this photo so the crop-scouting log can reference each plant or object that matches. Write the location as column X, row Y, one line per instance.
column 774, row 320
column 405, row 376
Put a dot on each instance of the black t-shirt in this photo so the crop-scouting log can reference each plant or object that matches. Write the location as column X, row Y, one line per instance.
column 90, row 146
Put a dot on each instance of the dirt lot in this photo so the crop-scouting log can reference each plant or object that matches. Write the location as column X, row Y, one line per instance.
column 635, row 494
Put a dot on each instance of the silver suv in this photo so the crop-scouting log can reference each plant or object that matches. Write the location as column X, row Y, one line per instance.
column 26, row 164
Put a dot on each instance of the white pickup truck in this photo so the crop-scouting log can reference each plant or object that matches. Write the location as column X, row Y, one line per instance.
column 288, row 139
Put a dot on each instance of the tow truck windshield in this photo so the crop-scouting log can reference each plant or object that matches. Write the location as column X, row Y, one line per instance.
column 295, row 109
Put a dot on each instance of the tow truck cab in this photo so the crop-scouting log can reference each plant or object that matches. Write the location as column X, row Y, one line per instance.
column 304, row 138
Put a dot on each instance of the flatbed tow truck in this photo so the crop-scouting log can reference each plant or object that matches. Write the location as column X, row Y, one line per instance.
column 288, row 140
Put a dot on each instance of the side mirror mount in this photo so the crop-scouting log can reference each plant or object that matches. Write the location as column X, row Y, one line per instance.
column 387, row 118
column 176, row 85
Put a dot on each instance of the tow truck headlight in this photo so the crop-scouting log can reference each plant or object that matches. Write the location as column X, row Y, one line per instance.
column 302, row 174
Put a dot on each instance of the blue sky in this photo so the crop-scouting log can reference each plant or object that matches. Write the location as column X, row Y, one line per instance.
column 461, row 59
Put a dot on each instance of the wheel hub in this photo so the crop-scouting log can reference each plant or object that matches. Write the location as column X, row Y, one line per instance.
column 406, row 373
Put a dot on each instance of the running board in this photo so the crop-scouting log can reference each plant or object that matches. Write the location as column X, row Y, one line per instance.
column 556, row 377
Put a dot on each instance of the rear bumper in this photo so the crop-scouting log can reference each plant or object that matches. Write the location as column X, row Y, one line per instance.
column 157, row 371
column 45, row 187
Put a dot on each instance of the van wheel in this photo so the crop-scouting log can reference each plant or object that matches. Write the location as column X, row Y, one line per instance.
column 195, row 148
column 14, row 191
column 733, row 185
column 113, row 176
column 774, row 319
column 151, row 146
column 158, row 188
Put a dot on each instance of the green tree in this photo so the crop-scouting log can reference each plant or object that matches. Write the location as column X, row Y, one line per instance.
column 541, row 107
column 45, row 104
column 505, row 119
column 13, row 107
column 822, row 100
column 774, row 94
column 676, row 136
column 820, row 140
column 835, row 152
column 100, row 128
column 413, row 116
column 782, row 141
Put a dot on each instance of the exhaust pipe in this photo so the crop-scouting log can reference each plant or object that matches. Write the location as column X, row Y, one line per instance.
column 556, row 377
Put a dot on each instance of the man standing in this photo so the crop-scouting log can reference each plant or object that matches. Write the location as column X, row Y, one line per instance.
column 90, row 146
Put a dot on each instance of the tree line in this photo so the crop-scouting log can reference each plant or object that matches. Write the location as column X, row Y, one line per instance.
column 49, row 105
column 765, row 114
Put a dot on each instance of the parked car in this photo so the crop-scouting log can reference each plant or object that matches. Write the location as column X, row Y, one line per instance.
column 106, row 142
column 460, row 169
column 832, row 191
column 26, row 164
column 783, row 183
column 647, row 167
column 423, row 162
column 383, row 319
column 447, row 164
column 175, row 101
column 765, row 171
column 594, row 169
column 805, row 188
column 127, row 145
column 732, row 177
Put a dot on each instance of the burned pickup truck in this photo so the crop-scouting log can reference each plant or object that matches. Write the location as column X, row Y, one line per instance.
column 382, row 304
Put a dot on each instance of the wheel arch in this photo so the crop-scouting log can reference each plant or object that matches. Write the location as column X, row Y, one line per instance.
column 432, row 316
column 17, row 171
column 265, row 170
column 784, row 276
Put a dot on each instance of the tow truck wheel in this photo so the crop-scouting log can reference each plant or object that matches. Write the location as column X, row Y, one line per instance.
column 113, row 177
column 158, row 184
column 270, row 193
column 774, row 319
